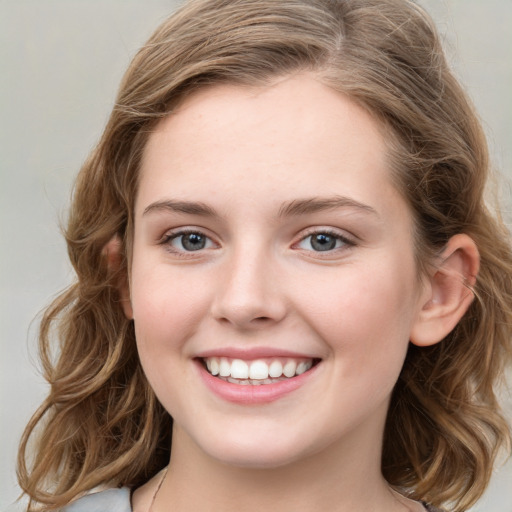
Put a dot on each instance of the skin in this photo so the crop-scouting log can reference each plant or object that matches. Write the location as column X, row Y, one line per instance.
column 247, row 154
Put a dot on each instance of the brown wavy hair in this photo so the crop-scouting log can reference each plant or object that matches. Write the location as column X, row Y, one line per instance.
column 101, row 423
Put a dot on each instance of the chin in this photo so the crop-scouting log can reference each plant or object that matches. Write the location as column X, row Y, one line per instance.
column 255, row 459
column 258, row 452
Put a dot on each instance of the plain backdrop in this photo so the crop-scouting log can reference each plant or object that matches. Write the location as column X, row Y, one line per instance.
column 61, row 62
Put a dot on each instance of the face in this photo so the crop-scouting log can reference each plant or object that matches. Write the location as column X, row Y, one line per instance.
column 273, row 285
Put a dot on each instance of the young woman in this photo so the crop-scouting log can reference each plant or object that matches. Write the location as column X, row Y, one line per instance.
column 290, row 293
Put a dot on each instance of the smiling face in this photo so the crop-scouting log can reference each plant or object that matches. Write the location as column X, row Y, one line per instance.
column 272, row 250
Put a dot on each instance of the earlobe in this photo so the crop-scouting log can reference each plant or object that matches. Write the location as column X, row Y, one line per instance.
column 112, row 252
column 449, row 291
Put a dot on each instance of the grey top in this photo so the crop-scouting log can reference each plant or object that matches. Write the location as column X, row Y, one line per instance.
column 118, row 500
column 111, row 500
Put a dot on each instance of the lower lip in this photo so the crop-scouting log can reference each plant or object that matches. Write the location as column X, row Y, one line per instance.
column 253, row 394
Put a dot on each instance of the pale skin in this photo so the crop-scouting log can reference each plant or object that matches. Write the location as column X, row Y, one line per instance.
column 261, row 175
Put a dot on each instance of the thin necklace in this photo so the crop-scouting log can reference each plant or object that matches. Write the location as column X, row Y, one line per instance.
column 150, row 509
column 393, row 492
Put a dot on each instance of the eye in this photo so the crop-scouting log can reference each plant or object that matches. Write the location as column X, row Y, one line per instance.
column 323, row 241
column 188, row 241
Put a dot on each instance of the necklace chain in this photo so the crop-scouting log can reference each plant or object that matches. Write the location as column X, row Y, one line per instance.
column 153, row 499
column 150, row 509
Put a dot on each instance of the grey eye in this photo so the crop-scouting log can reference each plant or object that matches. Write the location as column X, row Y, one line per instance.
column 190, row 242
column 323, row 242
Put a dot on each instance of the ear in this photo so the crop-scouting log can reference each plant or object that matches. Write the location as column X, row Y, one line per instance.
column 112, row 252
column 448, row 291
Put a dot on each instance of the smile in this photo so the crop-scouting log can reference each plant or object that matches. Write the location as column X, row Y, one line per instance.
column 256, row 372
column 256, row 379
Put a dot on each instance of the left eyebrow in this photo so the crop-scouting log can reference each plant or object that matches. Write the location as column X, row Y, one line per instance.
column 318, row 204
column 187, row 207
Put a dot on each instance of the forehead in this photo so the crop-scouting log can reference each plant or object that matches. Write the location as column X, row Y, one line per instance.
column 297, row 137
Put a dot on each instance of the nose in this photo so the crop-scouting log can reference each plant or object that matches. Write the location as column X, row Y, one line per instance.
column 251, row 294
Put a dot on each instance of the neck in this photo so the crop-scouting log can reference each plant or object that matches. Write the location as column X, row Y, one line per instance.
column 344, row 478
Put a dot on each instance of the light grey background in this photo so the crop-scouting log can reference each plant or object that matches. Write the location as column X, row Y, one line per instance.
column 60, row 65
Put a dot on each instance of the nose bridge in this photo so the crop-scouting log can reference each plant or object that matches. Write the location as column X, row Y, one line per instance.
column 250, row 294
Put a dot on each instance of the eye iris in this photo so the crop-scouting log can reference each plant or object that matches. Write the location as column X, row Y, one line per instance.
column 323, row 242
column 193, row 241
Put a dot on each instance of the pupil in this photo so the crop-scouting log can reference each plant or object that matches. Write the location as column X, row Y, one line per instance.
column 193, row 242
column 323, row 242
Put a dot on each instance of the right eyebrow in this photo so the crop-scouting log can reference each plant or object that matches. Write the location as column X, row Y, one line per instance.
column 318, row 204
column 189, row 207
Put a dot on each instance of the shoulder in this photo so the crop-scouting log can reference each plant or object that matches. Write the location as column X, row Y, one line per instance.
column 110, row 500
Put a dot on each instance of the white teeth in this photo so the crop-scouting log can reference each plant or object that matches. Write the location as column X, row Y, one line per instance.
column 259, row 370
column 214, row 365
column 289, row 368
column 256, row 372
column 224, row 367
column 275, row 369
column 301, row 368
column 237, row 381
column 239, row 369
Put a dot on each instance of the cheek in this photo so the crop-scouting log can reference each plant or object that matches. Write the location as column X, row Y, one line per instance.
column 364, row 315
column 167, row 306
column 167, row 311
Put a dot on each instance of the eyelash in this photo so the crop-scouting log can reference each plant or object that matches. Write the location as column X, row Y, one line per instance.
column 169, row 237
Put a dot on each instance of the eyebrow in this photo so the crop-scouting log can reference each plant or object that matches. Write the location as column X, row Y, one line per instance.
column 318, row 204
column 190, row 207
column 289, row 209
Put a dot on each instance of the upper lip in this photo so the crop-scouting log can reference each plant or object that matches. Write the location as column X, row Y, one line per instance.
column 252, row 353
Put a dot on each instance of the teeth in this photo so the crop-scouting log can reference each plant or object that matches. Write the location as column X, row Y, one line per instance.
column 224, row 367
column 239, row 369
column 253, row 382
column 275, row 369
column 235, row 381
column 301, row 368
column 258, row 371
column 214, row 366
column 289, row 369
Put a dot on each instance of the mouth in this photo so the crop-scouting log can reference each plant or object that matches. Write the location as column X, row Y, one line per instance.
column 258, row 372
